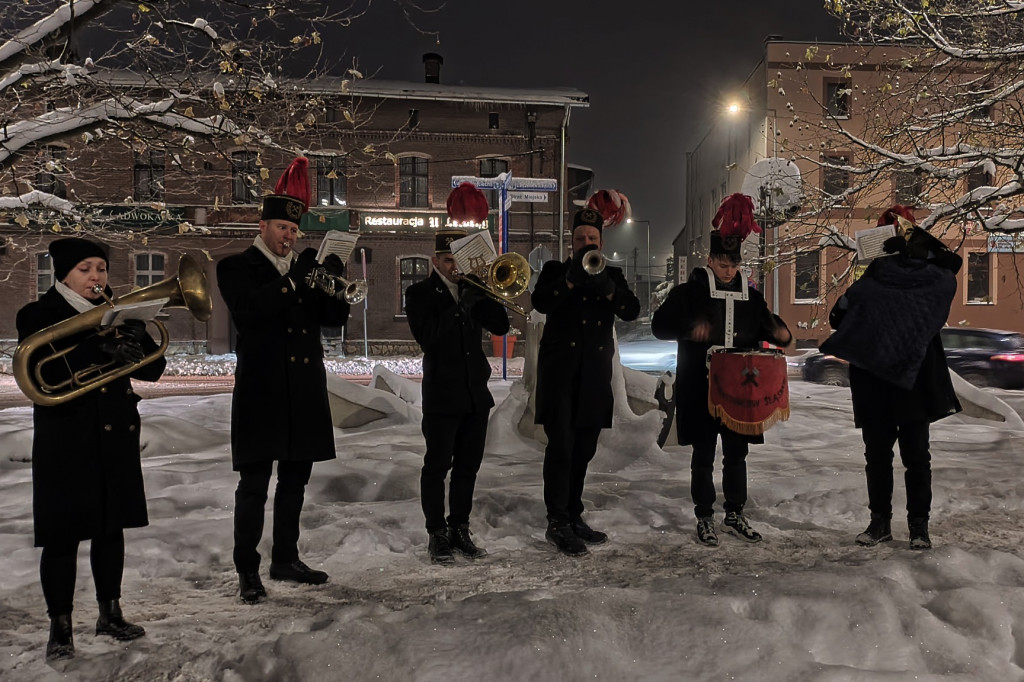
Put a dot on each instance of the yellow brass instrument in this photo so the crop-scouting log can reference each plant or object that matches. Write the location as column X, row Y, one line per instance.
column 337, row 286
column 506, row 277
column 594, row 262
column 187, row 289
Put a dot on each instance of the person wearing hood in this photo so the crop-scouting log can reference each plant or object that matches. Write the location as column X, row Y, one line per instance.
column 691, row 316
column 86, row 465
column 887, row 327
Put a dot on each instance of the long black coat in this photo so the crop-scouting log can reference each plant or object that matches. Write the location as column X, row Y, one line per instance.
column 279, row 408
column 86, row 466
column 455, row 369
column 688, row 305
column 574, row 362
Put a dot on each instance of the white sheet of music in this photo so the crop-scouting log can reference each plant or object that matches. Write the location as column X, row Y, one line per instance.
column 339, row 243
column 869, row 242
column 137, row 310
column 474, row 252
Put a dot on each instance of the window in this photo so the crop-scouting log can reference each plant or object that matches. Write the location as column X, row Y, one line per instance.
column 149, row 268
column 243, row 177
column 44, row 273
column 50, row 178
column 906, row 187
column 979, row 271
column 807, row 276
column 837, row 99
column 492, row 168
column 835, row 180
column 149, row 176
column 412, row 182
column 411, row 270
column 493, row 120
column 331, row 183
column 978, row 177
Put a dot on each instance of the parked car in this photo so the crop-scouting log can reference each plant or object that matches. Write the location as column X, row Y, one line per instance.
column 639, row 350
column 984, row 357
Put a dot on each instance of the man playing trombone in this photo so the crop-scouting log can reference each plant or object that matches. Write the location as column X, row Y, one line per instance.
column 446, row 316
column 581, row 298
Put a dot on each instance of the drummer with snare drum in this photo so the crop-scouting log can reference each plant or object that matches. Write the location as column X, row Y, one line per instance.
column 698, row 314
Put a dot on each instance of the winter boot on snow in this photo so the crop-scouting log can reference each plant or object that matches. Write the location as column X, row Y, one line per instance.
column 61, row 645
column 112, row 623
column 919, row 538
column 706, row 534
column 736, row 524
column 879, row 530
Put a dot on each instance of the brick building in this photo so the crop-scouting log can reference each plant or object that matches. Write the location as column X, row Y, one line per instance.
column 422, row 134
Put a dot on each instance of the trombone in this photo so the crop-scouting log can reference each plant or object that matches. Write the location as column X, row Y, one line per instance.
column 505, row 278
column 185, row 290
column 337, row 286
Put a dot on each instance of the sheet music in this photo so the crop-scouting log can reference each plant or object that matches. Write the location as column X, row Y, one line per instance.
column 140, row 310
column 474, row 252
column 869, row 242
column 339, row 243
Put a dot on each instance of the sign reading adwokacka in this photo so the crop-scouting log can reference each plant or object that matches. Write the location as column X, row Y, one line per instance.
column 411, row 222
column 139, row 215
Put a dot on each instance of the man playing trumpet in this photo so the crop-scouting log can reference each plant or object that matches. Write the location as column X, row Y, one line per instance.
column 446, row 316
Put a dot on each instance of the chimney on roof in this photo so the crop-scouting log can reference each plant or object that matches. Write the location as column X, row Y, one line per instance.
column 432, row 67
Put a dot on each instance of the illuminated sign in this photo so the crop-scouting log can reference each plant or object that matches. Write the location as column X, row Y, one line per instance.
column 411, row 222
column 1006, row 243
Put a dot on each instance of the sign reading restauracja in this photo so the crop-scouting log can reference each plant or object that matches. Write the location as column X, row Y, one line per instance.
column 394, row 221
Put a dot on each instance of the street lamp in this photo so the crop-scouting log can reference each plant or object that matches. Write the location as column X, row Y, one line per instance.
column 648, row 222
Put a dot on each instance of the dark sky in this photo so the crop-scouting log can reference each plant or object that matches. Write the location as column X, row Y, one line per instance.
column 655, row 71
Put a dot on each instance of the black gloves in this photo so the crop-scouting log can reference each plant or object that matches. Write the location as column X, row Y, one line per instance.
column 603, row 284
column 333, row 265
column 121, row 349
column 134, row 330
column 303, row 265
column 469, row 295
column 895, row 244
column 576, row 275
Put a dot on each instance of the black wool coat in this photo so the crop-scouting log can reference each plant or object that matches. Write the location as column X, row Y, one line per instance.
column 279, row 408
column 574, row 361
column 688, row 305
column 455, row 369
column 86, row 465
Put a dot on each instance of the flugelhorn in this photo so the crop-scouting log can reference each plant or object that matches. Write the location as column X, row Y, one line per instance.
column 337, row 286
column 185, row 290
column 506, row 277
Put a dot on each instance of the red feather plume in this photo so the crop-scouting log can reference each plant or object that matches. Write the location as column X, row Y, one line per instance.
column 735, row 217
column 294, row 182
column 467, row 204
column 889, row 217
column 612, row 204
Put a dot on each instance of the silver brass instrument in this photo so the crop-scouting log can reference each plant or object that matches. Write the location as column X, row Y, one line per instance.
column 505, row 278
column 337, row 286
column 594, row 262
column 185, row 290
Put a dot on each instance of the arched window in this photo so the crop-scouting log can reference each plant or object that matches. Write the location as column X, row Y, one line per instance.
column 411, row 269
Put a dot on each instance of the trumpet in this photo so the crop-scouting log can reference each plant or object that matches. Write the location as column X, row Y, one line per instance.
column 594, row 262
column 506, row 277
column 185, row 290
column 337, row 286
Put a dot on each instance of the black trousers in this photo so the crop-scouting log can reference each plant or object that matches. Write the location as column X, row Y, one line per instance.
column 250, row 501
column 734, row 472
column 566, row 459
column 879, row 439
column 58, row 568
column 454, row 443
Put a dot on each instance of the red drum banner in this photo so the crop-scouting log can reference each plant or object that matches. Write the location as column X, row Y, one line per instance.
column 748, row 390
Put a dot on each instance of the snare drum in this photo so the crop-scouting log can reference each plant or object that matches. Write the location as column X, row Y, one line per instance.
column 748, row 390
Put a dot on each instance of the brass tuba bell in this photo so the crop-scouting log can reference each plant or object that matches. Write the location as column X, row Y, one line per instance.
column 187, row 289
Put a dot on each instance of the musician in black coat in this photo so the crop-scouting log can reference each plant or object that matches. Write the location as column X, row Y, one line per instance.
column 279, row 410
column 446, row 316
column 887, row 326
column 697, row 321
column 86, row 468
column 574, row 375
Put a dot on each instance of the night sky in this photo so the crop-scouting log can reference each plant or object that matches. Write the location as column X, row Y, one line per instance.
column 655, row 70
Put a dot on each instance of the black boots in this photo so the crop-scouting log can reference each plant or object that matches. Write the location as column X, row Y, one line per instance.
column 112, row 623
column 297, row 572
column 440, row 547
column 586, row 533
column 919, row 538
column 61, row 645
column 879, row 530
column 251, row 588
column 463, row 543
column 561, row 535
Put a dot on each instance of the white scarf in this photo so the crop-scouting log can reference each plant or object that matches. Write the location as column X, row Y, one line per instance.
column 77, row 301
column 282, row 263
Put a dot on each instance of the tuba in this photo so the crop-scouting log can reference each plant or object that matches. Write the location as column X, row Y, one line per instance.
column 506, row 277
column 187, row 289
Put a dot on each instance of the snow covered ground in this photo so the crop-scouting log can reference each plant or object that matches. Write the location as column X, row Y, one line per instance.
column 807, row 604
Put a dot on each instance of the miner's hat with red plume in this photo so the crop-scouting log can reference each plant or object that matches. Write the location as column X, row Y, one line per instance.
column 892, row 216
column 611, row 204
column 291, row 194
column 466, row 204
column 733, row 222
